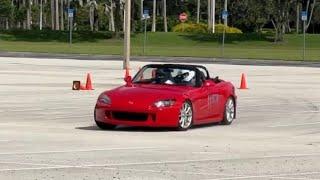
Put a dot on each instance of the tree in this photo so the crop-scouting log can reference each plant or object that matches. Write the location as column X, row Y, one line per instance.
column 62, row 15
column 310, row 10
column 93, row 7
column 154, row 16
column 6, row 10
column 280, row 15
column 109, row 11
column 198, row 10
column 165, row 16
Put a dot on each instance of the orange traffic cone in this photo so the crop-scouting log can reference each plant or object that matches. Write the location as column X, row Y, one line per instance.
column 89, row 82
column 127, row 73
column 82, row 87
column 243, row 84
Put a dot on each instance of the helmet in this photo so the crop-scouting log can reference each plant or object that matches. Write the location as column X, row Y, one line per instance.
column 189, row 75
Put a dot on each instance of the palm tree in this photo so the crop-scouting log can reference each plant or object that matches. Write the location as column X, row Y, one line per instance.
column 29, row 3
column 154, row 16
column 62, row 15
column 57, row 14
column 198, row 11
column 109, row 11
column 165, row 16
column 52, row 14
column 93, row 6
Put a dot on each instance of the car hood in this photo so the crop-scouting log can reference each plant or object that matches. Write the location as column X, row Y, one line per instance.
column 145, row 94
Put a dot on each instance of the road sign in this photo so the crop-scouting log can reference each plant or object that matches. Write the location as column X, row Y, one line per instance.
column 225, row 14
column 146, row 14
column 70, row 13
column 183, row 17
column 304, row 15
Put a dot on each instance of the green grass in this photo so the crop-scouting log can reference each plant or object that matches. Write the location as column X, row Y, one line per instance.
column 252, row 46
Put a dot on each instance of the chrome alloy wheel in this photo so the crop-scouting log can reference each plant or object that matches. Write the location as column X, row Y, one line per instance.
column 230, row 111
column 186, row 116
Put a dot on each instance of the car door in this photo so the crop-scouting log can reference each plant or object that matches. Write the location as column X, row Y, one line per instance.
column 215, row 101
column 200, row 103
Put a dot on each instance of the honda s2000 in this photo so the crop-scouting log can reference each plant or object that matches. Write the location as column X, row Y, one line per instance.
column 167, row 95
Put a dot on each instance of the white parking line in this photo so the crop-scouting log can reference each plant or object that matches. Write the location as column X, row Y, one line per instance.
column 288, row 125
column 84, row 150
column 266, row 176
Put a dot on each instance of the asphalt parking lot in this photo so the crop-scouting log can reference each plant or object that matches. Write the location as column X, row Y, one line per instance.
column 47, row 130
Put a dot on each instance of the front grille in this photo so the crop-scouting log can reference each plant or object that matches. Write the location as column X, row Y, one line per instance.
column 129, row 116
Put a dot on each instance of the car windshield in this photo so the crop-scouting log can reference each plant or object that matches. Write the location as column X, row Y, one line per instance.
column 166, row 75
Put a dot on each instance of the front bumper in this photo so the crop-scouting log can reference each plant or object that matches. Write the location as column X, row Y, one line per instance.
column 143, row 117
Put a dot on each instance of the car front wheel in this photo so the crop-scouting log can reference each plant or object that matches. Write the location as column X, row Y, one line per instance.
column 102, row 125
column 229, row 112
column 185, row 116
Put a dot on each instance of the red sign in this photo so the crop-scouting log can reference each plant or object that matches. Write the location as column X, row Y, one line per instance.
column 183, row 17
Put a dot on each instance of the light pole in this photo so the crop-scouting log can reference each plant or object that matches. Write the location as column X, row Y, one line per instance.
column 127, row 30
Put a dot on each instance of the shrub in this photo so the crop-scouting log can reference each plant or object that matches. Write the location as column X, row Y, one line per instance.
column 219, row 28
column 203, row 28
column 190, row 28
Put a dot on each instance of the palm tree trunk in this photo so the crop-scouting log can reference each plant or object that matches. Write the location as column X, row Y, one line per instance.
column 198, row 11
column 7, row 24
column 165, row 16
column 209, row 15
column 113, row 29
column 57, row 14
column 154, row 16
column 24, row 21
column 61, row 14
column 52, row 14
column 298, row 18
column 28, row 14
column 91, row 17
column 41, row 18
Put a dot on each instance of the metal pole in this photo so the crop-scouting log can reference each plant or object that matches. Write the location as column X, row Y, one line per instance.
column 126, row 62
column 41, row 15
column 304, row 40
column 145, row 36
column 70, row 30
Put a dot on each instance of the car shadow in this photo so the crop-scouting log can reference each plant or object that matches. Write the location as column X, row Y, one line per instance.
column 145, row 129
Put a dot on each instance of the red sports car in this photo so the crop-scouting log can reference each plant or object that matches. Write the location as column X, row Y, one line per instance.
column 167, row 95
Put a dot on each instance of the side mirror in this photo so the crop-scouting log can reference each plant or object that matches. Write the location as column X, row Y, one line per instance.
column 128, row 80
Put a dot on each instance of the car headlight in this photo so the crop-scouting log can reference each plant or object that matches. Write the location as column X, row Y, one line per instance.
column 104, row 99
column 165, row 103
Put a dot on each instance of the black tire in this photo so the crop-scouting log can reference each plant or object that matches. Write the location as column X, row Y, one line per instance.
column 183, row 127
column 229, row 112
column 104, row 126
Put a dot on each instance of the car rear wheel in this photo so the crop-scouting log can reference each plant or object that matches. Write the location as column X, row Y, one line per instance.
column 102, row 125
column 229, row 112
column 185, row 116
